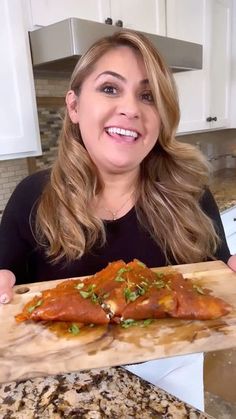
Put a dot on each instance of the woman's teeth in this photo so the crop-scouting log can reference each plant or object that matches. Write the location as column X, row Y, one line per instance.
column 122, row 131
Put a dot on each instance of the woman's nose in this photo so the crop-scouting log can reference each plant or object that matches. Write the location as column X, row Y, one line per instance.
column 129, row 107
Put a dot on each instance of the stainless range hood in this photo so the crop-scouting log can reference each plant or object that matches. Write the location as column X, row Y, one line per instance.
column 56, row 48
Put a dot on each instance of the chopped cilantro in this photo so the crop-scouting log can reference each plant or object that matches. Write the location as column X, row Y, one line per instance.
column 130, row 295
column 79, row 286
column 198, row 289
column 74, row 329
column 141, row 264
column 147, row 322
column 119, row 279
column 159, row 283
column 128, row 322
column 32, row 308
column 85, row 294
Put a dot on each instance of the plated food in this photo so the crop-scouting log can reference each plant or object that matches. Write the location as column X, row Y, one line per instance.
column 123, row 293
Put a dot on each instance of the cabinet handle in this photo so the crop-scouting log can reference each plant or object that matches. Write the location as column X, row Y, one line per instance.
column 108, row 21
column 119, row 23
column 211, row 118
column 234, row 219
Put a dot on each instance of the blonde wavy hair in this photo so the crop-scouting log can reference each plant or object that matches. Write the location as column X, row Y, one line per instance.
column 172, row 176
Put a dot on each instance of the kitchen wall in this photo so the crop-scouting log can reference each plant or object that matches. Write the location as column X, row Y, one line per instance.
column 218, row 146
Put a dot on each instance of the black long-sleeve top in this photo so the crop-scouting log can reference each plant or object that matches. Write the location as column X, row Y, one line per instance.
column 126, row 239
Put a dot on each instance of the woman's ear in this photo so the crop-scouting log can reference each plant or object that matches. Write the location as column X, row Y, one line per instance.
column 72, row 106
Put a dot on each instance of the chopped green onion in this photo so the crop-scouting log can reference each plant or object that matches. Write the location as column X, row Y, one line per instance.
column 106, row 295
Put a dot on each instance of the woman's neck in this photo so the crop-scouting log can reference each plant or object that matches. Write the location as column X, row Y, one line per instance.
column 117, row 197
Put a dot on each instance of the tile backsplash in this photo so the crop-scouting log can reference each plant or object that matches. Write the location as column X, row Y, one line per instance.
column 218, row 146
column 11, row 173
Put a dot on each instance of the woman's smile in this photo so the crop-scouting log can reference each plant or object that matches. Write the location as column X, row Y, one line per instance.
column 122, row 135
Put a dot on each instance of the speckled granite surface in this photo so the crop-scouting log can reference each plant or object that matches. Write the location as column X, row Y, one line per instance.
column 223, row 186
column 104, row 393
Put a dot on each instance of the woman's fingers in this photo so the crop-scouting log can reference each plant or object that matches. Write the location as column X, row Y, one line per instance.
column 6, row 295
column 7, row 280
column 232, row 262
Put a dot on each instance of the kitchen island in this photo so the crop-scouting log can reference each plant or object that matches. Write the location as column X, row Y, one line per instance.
column 95, row 394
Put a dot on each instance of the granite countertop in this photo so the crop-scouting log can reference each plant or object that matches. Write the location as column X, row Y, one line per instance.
column 223, row 187
column 99, row 393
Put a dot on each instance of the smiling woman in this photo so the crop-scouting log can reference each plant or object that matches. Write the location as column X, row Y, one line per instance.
column 122, row 186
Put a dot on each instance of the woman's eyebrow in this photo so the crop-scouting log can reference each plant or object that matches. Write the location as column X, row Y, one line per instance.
column 119, row 76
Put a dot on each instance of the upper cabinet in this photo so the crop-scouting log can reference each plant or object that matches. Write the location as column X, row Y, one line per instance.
column 147, row 16
column 46, row 12
column 233, row 68
column 19, row 132
column 203, row 94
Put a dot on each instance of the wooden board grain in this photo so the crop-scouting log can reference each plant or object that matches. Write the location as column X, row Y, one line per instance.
column 30, row 349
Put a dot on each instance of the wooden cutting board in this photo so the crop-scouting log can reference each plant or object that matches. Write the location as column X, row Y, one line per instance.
column 29, row 350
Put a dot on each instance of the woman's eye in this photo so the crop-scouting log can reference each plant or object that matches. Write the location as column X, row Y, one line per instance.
column 109, row 90
column 147, row 97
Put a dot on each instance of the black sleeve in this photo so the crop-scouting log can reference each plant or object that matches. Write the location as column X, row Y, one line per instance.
column 210, row 207
column 16, row 238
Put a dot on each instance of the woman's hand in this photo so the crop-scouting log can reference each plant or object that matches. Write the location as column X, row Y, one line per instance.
column 7, row 280
column 232, row 263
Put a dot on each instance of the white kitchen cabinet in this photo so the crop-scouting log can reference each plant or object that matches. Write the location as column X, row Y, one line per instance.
column 19, row 130
column 233, row 68
column 228, row 218
column 203, row 94
column 148, row 16
column 46, row 12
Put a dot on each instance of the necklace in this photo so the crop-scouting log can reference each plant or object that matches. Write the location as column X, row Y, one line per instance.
column 115, row 213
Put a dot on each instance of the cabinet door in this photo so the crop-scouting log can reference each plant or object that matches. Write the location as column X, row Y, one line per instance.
column 146, row 16
column 186, row 20
column 203, row 94
column 219, row 62
column 45, row 12
column 19, row 132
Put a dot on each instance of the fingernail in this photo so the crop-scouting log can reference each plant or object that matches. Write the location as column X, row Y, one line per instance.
column 4, row 299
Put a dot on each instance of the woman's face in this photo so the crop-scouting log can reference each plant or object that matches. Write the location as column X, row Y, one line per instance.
column 115, row 111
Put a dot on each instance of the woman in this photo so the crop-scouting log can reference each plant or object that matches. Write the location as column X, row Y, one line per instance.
column 122, row 186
